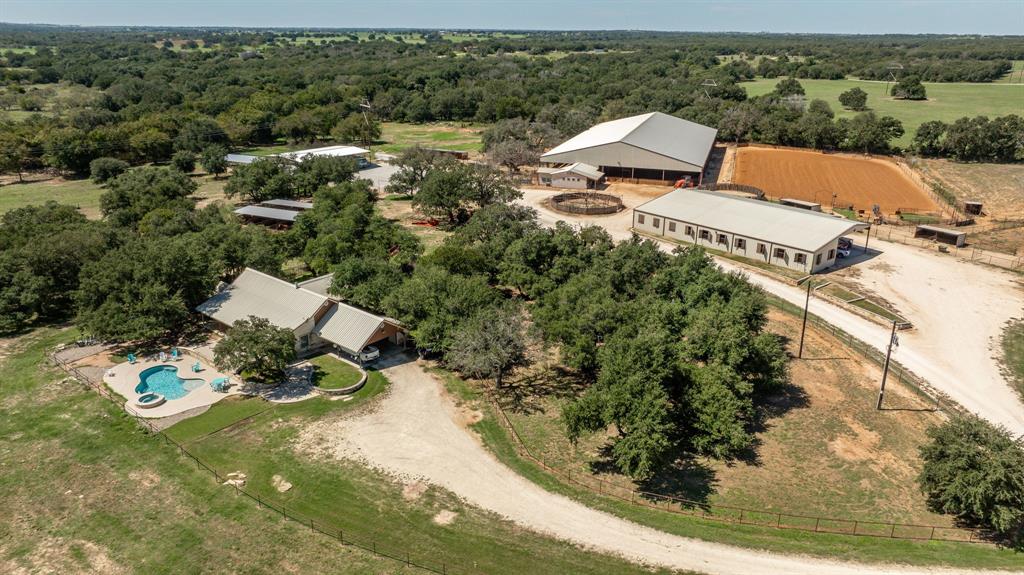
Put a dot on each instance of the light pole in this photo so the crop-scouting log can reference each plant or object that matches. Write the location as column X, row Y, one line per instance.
column 885, row 369
column 803, row 329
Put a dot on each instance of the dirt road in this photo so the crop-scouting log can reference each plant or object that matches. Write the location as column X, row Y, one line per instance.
column 413, row 433
column 959, row 309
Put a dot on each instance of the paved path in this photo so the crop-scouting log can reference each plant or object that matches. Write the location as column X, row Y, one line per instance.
column 959, row 309
column 413, row 432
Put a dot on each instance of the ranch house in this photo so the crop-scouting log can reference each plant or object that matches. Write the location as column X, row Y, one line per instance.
column 651, row 147
column 317, row 320
column 784, row 236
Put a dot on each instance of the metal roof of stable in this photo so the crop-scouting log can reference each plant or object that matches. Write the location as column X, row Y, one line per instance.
column 660, row 134
column 267, row 213
column 241, row 158
column 579, row 168
column 336, row 151
column 941, row 230
column 255, row 293
column 787, row 226
column 288, row 204
column 348, row 327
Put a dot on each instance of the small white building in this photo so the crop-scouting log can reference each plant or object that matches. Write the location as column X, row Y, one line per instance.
column 789, row 237
column 575, row 176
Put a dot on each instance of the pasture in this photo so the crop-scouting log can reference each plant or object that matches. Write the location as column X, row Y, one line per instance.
column 814, row 176
column 946, row 101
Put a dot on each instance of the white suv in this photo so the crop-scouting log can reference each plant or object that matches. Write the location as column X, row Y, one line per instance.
column 369, row 353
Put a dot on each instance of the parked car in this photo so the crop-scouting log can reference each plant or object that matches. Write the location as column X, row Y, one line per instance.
column 845, row 247
column 369, row 353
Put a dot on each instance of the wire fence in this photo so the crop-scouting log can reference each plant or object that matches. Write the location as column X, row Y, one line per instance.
column 764, row 517
column 348, row 537
column 901, row 235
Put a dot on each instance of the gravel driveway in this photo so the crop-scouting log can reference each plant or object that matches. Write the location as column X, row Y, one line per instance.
column 413, row 433
column 958, row 309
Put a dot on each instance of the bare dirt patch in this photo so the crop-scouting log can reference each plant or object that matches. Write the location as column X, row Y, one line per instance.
column 445, row 517
column 814, row 176
column 1000, row 187
column 413, row 491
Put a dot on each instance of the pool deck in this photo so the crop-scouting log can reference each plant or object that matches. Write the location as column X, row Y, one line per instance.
column 123, row 378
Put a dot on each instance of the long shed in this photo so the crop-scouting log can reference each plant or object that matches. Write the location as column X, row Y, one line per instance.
column 779, row 235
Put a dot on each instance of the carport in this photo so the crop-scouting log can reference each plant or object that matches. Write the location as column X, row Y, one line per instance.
column 944, row 235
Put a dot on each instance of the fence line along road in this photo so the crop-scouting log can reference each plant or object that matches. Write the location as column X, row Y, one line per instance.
column 1005, row 261
column 345, row 537
column 763, row 517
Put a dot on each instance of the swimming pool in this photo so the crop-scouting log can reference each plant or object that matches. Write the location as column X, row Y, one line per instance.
column 163, row 379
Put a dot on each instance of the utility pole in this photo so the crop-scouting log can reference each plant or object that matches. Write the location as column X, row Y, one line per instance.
column 885, row 370
column 867, row 238
column 807, row 303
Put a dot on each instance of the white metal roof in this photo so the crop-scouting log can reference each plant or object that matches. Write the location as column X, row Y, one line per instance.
column 241, row 158
column 256, row 293
column 318, row 284
column 348, row 327
column 783, row 225
column 336, row 151
column 295, row 204
column 657, row 133
column 267, row 213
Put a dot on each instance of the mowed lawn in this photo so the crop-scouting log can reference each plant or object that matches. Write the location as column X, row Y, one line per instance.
column 81, row 193
column 396, row 137
column 88, row 492
column 332, row 373
column 946, row 101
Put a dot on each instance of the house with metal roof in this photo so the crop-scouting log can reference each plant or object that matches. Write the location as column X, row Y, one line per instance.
column 780, row 235
column 576, row 176
column 318, row 321
column 652, row 146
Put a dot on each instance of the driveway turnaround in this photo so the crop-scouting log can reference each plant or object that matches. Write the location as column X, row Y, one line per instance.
column 959, row 309
column 413, row 432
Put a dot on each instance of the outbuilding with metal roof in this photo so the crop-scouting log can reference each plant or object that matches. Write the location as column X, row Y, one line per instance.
column 780, row 235
column 652, row 146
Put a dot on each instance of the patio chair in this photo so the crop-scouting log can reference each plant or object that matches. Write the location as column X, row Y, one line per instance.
column 131, row 358
column 196, row 368
column 219, row 384
column 175, row 354
column 163, row 356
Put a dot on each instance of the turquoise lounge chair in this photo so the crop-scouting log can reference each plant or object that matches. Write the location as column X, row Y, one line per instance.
column 175, row 354
column 196, row 368
column 131, row 358
column 219, row 384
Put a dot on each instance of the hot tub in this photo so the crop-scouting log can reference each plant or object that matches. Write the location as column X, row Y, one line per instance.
column 148, row 400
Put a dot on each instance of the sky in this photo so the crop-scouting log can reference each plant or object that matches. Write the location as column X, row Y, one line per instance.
column 781, row 16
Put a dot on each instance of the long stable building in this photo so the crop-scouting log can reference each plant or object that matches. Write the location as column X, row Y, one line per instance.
column 652, row 146
column 779, row 235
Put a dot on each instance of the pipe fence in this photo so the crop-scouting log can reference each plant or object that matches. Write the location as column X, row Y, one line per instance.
column 348, row 537
column 765, row 517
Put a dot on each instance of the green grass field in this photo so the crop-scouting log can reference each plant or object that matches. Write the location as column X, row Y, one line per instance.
column 397, row 137
column 332, row 373
column 1013, row 353
column 1016, row 74
column 946, row 101
column 82, row 193
column 92, row 493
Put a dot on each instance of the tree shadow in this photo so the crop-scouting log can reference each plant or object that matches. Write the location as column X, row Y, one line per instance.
column 525, row 394
column 684, row 477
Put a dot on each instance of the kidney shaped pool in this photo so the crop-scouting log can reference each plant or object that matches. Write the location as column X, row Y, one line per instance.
column 163, row 379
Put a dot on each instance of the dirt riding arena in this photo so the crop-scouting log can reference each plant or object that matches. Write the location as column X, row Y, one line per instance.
column 814, row 176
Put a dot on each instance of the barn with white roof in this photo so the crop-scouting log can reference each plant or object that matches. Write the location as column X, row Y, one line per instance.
column 652, row 146
column 780, row 235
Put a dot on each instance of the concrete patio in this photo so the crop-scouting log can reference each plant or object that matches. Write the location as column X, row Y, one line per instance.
column 123, row 378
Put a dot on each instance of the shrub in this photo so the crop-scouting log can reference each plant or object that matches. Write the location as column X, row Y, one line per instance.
column 184, row 161
column 103, row 170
